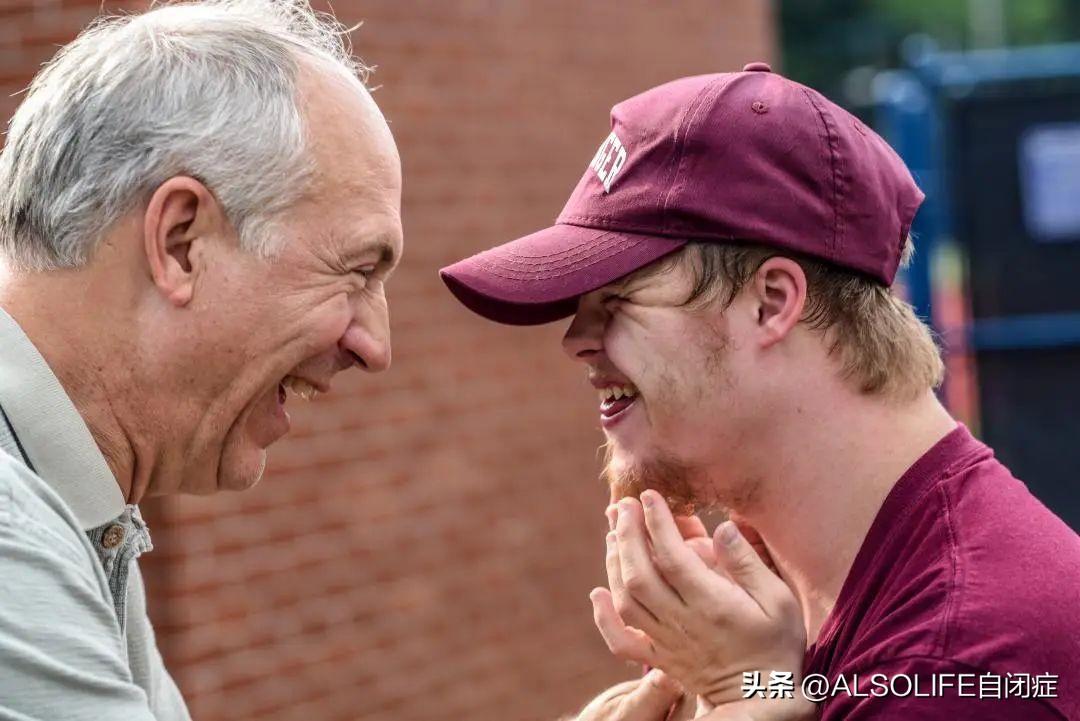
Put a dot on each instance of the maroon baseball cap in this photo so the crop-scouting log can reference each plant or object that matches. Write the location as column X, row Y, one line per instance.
column 729, row 157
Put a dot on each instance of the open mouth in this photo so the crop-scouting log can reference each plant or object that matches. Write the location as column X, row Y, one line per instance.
column 615, row 400
column 298, row 387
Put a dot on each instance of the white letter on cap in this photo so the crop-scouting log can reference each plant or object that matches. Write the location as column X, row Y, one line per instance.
column 598, row 159
column 612, row 147
column 620, row 159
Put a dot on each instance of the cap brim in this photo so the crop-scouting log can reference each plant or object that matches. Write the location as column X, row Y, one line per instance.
column 538, row 278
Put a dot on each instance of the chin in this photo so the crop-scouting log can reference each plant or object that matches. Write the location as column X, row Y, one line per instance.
column 241, row 471
column 628, row 476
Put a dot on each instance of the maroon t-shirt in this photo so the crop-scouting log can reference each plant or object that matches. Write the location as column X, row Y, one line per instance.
column 963, row 575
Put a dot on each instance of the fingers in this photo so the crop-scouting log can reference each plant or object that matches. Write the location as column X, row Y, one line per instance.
column 703, row 547
column 691, row 527
column 684, row 569
column 693, row 532
column 743, row 564
column 625, row 642
column 640, row 577
column 652, row 699
column 626, row 603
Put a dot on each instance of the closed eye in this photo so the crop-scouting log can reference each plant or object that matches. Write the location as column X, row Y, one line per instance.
column 611, row 299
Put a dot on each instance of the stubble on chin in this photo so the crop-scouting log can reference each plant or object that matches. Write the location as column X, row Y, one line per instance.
column 665, row 475
column 687, row 490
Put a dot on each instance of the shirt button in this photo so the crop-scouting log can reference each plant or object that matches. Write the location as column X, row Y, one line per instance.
column 114, row 534
column 757, row 67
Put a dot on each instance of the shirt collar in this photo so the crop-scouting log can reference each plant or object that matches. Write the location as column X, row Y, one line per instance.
column 51, row 431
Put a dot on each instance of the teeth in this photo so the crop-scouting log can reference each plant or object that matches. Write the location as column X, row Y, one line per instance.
column 616, row 392
column 300, row 387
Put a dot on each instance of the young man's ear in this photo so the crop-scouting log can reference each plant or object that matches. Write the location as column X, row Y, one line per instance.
column 779, row 288
column 181, row 213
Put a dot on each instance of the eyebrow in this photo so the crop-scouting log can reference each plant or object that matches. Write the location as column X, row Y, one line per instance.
column 382, row 245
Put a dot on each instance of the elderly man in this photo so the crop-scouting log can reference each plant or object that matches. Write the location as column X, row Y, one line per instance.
column 199, row 208
column 727, row 258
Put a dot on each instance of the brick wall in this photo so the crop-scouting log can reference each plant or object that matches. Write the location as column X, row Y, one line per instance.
column 422, row 545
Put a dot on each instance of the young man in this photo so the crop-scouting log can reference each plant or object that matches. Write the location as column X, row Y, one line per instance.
column 727, row 258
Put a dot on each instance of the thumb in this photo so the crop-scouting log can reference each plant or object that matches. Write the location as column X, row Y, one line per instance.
column 652, row 699
column 742, row 563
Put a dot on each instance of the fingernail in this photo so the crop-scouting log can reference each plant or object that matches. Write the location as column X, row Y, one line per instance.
column 647, row 499
column 728, row 533
column 610, row 538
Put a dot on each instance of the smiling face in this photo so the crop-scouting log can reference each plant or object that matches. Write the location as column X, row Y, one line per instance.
column 259, row 328
column 665, row 375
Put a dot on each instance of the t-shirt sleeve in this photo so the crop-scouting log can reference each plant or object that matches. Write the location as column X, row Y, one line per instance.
column 61, row 652
column 930, row 690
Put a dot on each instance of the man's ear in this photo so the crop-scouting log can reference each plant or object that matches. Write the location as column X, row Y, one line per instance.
column 181, row 213
column 779, row 293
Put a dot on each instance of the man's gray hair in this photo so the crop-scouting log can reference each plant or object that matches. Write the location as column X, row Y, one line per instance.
column 205, row 89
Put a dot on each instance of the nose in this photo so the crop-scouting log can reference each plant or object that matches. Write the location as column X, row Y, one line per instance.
column 584, row 337
column 367, row 339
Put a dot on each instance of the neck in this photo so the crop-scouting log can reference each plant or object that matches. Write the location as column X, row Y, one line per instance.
column 820, row 494
column 69, row 318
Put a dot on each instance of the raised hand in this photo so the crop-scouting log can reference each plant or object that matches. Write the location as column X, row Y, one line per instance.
column 705, row 625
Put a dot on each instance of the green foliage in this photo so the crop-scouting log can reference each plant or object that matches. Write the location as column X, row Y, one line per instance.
column 823, row 40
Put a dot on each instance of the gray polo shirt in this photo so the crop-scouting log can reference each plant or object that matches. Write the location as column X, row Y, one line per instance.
column 75, row 641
